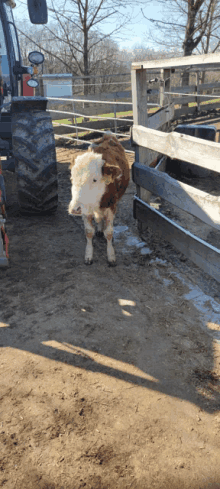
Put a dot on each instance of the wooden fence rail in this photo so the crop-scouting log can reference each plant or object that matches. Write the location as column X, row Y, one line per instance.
column 204, row 255
column 180, row 146
column 152, row 137
column 198, row 203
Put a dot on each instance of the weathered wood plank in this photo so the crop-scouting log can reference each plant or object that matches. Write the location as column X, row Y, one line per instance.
column 183, row 100
column 155, row 121
column 192, row 88
column 152, row 91
column 198, row 90
column 185, row 89
column 204, row 255
column 198, row 203
column 180, row 146
column 140, row 116
column 201, row 60
column 193, row 98
column 192, row 110
column 114, row 95
column 185, row 111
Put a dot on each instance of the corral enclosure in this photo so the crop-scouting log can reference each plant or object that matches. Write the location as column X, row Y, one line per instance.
column 110, row 378
column 159, row 102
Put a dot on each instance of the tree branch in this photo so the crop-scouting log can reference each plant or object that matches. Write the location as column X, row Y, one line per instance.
column 162, row 22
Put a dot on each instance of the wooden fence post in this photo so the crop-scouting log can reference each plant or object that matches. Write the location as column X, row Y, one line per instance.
column 115, row 115
column 167, row 83
column 165, row 86
column 73, row 116
column 162, row 88
column 197, row 90
column 75, row 120
column 140, row 117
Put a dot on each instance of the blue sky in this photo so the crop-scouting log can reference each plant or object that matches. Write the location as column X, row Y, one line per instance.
column 134, row 35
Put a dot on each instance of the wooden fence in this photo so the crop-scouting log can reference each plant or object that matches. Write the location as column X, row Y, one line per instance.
column 151, row 142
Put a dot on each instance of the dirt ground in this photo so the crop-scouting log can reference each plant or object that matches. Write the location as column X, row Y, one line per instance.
column 110, row 377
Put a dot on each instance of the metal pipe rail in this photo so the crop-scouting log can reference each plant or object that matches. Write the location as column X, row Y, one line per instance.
column 103, row 102
column 99, row 117
column 85, row 141
column 90, row 129
column 93, row 84
column 193, row 95
column 75, row 114
column 85, row 101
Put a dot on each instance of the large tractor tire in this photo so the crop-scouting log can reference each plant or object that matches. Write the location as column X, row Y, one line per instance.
column 35, row 156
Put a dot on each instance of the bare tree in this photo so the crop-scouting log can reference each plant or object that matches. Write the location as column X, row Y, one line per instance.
column 188, row 25
column 77, row 27
column 104, row 60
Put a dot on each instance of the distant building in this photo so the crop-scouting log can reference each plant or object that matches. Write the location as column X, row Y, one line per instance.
column 57, row 85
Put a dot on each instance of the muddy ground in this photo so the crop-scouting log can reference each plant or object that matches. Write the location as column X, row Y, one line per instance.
column 109, row 376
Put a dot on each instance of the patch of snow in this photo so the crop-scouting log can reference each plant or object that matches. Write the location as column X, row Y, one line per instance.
column 134, row 241
column 146, row 251
column 119, row 229
column 193, row 294
column 216, row 308
column 141, row 244
column 205, row 304
column 159, row 262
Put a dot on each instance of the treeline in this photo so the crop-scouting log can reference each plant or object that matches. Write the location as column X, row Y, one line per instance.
column 74, row 41
column 105, row 61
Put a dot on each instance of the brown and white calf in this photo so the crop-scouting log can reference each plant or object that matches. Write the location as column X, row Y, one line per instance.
column 99, row 178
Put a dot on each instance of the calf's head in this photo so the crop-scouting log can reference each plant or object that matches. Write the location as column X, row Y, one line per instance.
column 90, row 175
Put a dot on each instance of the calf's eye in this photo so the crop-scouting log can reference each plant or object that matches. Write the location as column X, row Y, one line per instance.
column 94, row 180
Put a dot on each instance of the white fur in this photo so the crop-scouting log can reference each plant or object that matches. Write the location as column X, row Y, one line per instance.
column 105, row 219
column 86, row 197
column 87, row 193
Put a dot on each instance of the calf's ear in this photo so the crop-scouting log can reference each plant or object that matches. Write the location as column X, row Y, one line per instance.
column 111, row 171
column 92, row 147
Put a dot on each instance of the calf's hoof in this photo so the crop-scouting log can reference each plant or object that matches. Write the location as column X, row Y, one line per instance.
column 112, row 263
column 88, row 261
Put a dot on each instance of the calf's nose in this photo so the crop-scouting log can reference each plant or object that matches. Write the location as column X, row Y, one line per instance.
column 76, row 211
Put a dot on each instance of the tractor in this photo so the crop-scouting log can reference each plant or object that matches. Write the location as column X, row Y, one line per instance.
column 26, row 131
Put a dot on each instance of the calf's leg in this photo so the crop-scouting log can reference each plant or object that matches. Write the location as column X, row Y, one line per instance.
column 108, row 232
column 90, row 231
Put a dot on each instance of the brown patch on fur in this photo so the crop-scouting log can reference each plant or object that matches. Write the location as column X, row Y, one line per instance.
column 116, row 167
column 111, row 171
